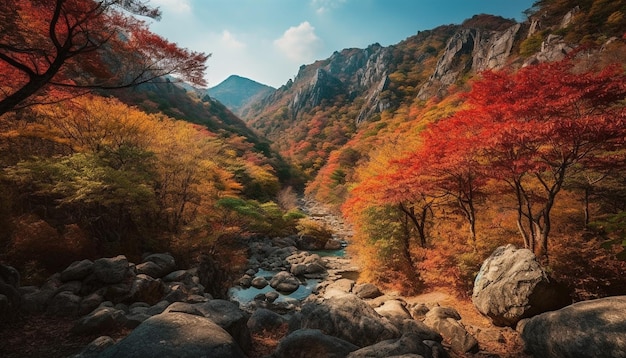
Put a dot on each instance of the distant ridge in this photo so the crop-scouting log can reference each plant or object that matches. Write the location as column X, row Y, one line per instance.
column 236, row 92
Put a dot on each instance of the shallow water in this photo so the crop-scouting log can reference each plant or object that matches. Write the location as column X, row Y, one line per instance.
column 307, row 286
column 246, row 295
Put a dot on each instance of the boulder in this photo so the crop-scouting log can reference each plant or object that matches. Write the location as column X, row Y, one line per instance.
column 394, row 310
column 366, row 291
column 118, row 292
column 284, row 282
column 313, row 343
column 111, row 270
column 333, row 244
column 349, row 318
column 146, row 289
column 77, row 270
column 420, row 329
column 149, row 268
column 165, row 264
column 178, row 276
column 338, row 288
column 446, row 321
column 183, row 307
column 310, row 243
column 158, row 308
column 264, row 320
column 511, row 285
column 64, row 303
column 101, row 320
column 595, row 328
column 96, row 347
column 259, row 282
column 176, row 335
column 409, row 343
column 229, row 316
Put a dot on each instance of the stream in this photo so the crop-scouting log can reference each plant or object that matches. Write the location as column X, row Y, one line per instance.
column 338, row 264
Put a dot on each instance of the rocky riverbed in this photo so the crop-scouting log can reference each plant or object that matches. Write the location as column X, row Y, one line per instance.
column 307, row 304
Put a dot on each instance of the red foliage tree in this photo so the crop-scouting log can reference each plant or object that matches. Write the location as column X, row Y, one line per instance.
column 537, row 124
column 48, row 48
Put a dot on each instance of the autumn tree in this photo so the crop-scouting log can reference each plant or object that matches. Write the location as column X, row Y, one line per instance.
column 52, row 50
column 544, row 120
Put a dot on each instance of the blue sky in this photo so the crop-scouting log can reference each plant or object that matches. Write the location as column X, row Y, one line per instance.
column 268, row 40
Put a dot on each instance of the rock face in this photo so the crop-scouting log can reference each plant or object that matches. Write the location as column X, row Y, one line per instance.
column 511, row 285
column 176, row 335
column 488, row 49
column 595, row 328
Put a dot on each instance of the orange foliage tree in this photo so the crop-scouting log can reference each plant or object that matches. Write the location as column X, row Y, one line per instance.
column 51, row 50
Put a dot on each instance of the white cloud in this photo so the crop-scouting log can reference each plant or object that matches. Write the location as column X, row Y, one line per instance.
column 173, row 6
column 229, row 40
column 299, row 43
column 324, row 6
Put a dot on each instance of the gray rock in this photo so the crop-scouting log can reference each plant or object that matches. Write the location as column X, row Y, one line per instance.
column 158, row 308
column 420, row 329
column 419, row 311
column 165, row 263
column 176, row 335
column 310, row 243
column 407, row 344
column 595, row 328
column 284, row 282
column 111, row 270
column 394, row 310
column 298, row 269
column 245, row 281
column 333, row 244
column 338, row 288
column 349, row 318
column 118, row 292
column 443, row 312
column 149, row 268
column 146, row 289
column 271, row 296
column 77, row 270
column 35, row 302
column 366, row 291
column 90, row 303
column 259, row 282
column 313, row 343
column 71, row 286
column 64, row 303
column 101, row 320
column 135, row 319
column 229, row 316
column 96, row 347
column 179, row 276
column 265, row 320
column 445, row 322
column 511, row 285
column 183, row 307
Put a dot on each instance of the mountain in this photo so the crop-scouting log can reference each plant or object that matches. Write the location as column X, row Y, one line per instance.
column 236, row 92
column 333, row 100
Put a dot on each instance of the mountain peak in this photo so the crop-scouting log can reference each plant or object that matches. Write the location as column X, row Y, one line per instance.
column 236, row 92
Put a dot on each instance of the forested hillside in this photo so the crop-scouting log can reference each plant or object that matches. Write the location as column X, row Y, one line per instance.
column 466, row 137
column 98, row 161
